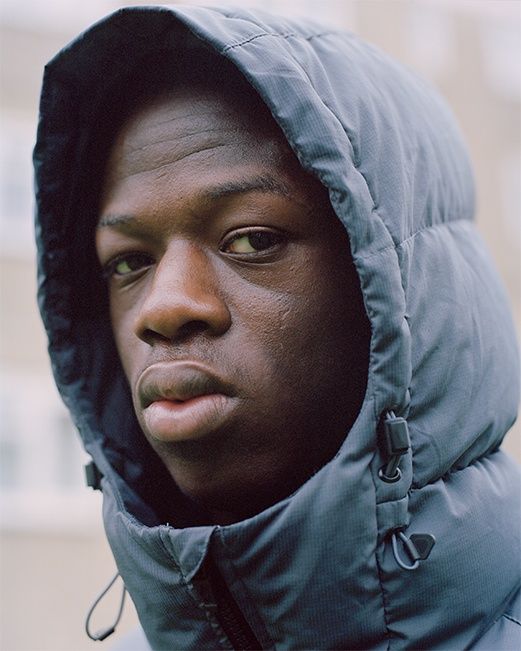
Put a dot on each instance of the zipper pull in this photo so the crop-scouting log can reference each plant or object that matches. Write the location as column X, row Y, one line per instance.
column 418, row 547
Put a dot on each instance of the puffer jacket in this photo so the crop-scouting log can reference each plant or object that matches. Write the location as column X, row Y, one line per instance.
column 328, row 567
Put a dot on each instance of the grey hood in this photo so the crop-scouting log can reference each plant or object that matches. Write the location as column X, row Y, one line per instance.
column 317, row 570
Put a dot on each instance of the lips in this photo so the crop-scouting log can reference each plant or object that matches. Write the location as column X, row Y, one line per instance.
column 179, row 381
column 183, row 399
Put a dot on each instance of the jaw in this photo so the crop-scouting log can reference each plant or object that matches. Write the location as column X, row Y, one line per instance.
column 232, row 481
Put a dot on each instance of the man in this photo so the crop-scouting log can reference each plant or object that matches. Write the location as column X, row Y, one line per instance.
column 211, row 235
column 279, row 335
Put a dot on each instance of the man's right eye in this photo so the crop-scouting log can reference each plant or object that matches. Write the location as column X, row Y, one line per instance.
column 126, row 265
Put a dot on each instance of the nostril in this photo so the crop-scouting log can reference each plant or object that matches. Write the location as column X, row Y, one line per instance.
column 189, row 329
column 184, row 332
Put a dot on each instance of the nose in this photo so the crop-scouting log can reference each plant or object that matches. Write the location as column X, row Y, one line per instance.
column 183, row 299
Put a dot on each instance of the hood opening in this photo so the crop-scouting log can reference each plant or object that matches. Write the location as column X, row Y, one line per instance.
column 91, row 117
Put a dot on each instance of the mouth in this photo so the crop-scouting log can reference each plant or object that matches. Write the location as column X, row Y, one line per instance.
column 183, row 400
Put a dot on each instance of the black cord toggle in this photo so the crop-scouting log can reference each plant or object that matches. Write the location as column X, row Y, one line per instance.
column 397, row 443
column 93, row 476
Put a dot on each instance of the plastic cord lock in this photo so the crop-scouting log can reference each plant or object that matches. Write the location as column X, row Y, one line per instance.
column 396, row 436
column 397, row 443
column 93, row 476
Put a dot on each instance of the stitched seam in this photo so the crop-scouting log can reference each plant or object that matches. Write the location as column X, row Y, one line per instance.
column 380, row 573
column 512, row 619
column 395, row 500
column 452, row 471
column 320, row 34
column 429, row 227
column 252, row 38
column 285, row 35
column 395, row 247
column 496, row 620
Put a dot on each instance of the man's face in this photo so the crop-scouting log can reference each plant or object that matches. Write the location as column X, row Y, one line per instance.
column 234, row 304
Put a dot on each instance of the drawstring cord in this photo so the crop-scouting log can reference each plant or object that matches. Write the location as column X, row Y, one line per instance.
column 411, row 550
column 103, row 633
column 396, row 443
column 418, row 547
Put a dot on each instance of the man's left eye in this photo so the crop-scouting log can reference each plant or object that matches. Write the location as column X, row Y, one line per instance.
column 252, row 242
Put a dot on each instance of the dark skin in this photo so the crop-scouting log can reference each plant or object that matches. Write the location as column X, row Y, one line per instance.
column 234, row 303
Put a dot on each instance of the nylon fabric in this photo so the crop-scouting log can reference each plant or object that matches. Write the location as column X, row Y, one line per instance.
column 315, row 570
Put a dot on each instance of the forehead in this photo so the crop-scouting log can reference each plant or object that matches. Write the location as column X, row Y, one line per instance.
column 193, row 119
column 193, row 137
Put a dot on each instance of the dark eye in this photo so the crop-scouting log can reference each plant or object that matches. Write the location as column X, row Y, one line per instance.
column 127, row 264
column 253, row 241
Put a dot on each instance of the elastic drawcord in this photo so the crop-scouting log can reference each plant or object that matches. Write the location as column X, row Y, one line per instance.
column 105, row 632
column 408, row 546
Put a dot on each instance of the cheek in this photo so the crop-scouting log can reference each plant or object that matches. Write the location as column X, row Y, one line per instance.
column 294, row 333
column 317, row 336
column 127, row 344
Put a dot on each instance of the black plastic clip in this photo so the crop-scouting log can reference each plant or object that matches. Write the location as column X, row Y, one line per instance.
column 397, row 443
column 418, row 546
column 93, row 476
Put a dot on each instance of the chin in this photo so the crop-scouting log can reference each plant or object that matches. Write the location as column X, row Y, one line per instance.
column 232, row 491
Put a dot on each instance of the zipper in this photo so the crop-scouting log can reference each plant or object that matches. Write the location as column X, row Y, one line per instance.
column 228, row 613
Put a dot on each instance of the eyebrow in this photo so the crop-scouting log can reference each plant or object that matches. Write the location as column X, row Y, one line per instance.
column 265, row 183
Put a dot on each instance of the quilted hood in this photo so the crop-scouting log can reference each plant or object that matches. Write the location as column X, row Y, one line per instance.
column 316, row 570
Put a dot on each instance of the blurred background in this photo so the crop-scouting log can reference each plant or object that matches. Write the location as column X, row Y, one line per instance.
column 53, row 556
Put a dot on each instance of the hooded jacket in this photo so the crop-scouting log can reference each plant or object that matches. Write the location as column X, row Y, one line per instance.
column 326, row 567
